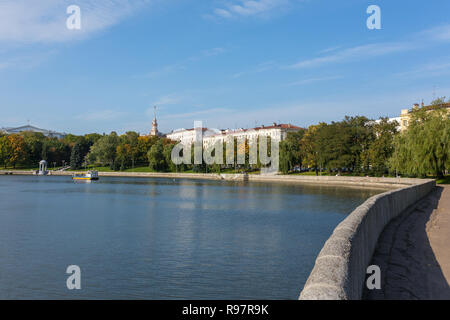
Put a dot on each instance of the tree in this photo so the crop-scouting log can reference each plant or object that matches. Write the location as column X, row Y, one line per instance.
column 76, row 157
column 312, row 147
column 424, row 147
column 104, row 151
column 18, row 150
column 144, row 143
column 290, row 151
column 34, row 142
column 129, row 143
column 124, row 154
column 375, row 158
column 167, row 153
column 5, row 150
column 156, row 157
column 55, row 150
column 361, row 135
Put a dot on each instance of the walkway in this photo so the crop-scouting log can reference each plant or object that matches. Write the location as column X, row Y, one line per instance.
column 413, row 252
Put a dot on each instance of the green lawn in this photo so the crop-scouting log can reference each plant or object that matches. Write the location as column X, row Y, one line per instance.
column 445, row 180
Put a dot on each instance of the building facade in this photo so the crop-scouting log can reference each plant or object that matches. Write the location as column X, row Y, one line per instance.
column 210, row 136
column 405, row 115
column 28, row 128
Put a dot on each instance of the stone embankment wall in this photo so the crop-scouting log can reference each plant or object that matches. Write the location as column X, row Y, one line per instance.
column 340, row 269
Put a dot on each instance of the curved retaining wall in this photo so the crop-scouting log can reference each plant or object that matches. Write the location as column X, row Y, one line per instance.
column 340, row 269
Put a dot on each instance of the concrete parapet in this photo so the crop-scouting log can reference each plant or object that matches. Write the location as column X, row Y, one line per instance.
column 340, row 269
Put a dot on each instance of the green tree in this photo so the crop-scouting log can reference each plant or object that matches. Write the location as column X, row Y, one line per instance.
column 167, row 152
column 104, row 151
column 156, row 157
column 424, row 147
column 376, row 157
column 34, row 142
column 290, row 151
column 76, row 156
column 5, row 150
column 311, row 147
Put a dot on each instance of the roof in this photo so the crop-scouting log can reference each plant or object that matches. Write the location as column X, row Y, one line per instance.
column 30, row 128
column 432, row 107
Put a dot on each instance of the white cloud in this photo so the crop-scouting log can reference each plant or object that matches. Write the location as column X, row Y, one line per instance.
column 245, row 8
column 433, row 69
column 420, row 40
column 312, row 80
column 166, row 100
column 222, row 13
column 262, row 67
column 44, row 21
column 213, row 52
column 359, row 52
column 166, row 70
column 439, row 33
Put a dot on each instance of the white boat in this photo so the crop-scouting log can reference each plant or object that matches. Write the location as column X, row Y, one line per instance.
column 90, row 175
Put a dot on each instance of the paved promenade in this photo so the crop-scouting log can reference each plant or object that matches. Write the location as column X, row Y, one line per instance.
column 413, row 252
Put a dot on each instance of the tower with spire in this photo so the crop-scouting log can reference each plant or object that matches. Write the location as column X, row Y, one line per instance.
column 154, row 131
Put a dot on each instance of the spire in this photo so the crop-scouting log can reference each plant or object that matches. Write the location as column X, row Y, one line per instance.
column 154, row 131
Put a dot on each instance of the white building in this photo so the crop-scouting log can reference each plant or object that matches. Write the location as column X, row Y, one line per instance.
column 210, row 136
column 390, row 120
column 48, row 133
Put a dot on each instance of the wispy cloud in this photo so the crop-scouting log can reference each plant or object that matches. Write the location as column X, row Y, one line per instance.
column 166, row 70
column 433, row 69
column 44, row 21
column 262, row 67
column 245, row 8
column 213, row 52
column 358, row 52
column 313, row 80
column 169, row 69
column 167, row 100
column 22, row 61
column 101, row 115
column 428, row 37
column 329, row 49
column 191, row 115
column 439, row 33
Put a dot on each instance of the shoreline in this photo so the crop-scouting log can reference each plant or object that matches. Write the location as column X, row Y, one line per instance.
column 345, row 181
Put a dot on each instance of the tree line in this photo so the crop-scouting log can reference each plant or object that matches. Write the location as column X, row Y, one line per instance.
column 360, row 146
column 355, row 145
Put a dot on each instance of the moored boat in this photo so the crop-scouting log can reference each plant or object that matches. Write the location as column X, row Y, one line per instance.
column 90, row 175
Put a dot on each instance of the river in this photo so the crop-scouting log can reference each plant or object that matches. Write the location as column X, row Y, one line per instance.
column 150, row 238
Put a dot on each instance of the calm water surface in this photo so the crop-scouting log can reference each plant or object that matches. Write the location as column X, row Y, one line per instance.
column 139, row 238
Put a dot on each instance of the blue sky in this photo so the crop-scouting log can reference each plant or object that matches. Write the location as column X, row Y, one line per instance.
column 230, row 63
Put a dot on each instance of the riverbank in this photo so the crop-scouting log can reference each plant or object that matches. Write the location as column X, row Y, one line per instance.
column 348, row 181
column 413, row 252
column 341, row 266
